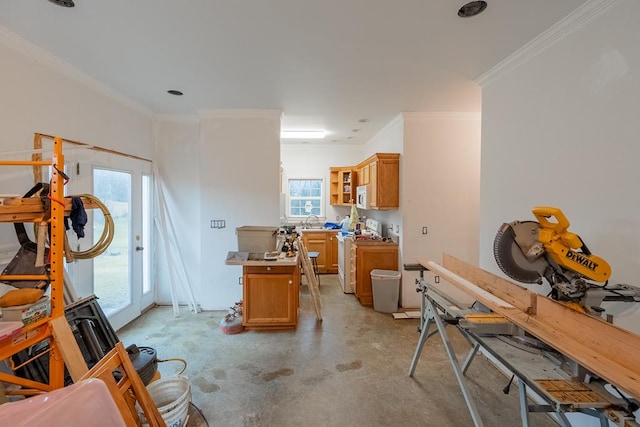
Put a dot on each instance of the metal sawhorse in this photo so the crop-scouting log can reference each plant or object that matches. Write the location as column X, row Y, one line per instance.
column 439, row 309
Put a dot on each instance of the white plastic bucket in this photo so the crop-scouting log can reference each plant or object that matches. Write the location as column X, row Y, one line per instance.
column 172, row 396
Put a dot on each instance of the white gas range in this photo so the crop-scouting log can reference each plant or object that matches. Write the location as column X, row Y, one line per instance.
column 346, row 263
column 347, row 254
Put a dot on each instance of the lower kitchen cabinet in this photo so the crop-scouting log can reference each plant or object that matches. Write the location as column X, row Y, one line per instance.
column 332, row 247
column 326, row 244
column 270, row 296
column 372, row 255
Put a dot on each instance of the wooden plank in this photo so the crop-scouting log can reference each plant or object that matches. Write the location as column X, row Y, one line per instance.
column 596, row 359
column 30, row 209
column 312, row 280
column 602, row 348
column 514, row 294
column 464, row 285
column 36, row 157
column 575, row 393
column 486, row 318
column 68, row 347
column 590, row 330
column 96, row 148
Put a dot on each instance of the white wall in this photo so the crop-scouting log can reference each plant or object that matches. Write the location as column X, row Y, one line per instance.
column 177, row 154
column 223, row 165
column 440, row 191
column 389, row 140
column 314, row 161
column 40, row 95
column 439, row 188
column 239, row 163
column 561, row 129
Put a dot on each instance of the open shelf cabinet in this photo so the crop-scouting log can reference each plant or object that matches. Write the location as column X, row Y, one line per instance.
column 342, row 186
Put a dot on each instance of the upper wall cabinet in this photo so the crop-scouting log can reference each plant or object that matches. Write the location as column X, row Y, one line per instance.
column 343, row 186
column 382, row 172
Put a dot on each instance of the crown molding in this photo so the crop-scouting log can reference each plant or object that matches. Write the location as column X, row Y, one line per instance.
column 441, row 116
column 575, row 20
column 394, row 122
column 177, row 118
column 36, row 53
column 240, row 114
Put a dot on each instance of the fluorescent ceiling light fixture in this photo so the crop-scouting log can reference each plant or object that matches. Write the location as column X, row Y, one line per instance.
column 302, row 134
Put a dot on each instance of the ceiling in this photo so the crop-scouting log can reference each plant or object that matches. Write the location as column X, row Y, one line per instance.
column 347, row 66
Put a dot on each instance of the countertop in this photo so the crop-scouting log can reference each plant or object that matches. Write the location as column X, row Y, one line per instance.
column 374, row 242
column 255, row 259
column 320, row 230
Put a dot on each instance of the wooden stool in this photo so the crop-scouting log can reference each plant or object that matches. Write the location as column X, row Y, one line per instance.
column 314, row 261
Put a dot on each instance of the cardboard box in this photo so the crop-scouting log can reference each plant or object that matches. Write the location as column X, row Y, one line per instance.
column 28, row 313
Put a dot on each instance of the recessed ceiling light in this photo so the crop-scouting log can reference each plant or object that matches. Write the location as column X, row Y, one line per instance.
column 472, row 8
column 300, row 134
column 363, row 121
column 355, row 130
column 335, row 140
column 175, row 92
column 63, row 3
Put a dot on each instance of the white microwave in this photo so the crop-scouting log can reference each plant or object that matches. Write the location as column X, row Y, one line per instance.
column 362, row 196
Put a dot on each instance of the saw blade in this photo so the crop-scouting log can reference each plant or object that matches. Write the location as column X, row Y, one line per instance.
column 510, row 258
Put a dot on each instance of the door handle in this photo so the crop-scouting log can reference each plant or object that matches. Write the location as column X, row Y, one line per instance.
column 139, row 248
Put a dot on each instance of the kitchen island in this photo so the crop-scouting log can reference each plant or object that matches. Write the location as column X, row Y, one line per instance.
column 270, row 290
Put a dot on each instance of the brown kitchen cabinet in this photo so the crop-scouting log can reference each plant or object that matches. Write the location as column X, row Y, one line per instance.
column 332, row 245
column 270, row 296
column 372, row 255
column 382, row 172
column 342, row 190
column 326, row 244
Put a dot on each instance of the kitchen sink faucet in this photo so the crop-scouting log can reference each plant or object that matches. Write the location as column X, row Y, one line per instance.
column 306, row 221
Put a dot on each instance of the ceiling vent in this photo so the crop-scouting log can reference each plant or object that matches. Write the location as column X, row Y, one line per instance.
column 63, row 3
column 472, row 8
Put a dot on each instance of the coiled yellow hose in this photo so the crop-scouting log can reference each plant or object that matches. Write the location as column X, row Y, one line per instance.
column 107, row 233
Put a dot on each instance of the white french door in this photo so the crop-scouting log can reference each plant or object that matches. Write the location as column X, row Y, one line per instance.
column 121, row 276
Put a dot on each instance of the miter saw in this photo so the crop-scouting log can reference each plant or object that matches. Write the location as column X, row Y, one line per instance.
column 530, row 251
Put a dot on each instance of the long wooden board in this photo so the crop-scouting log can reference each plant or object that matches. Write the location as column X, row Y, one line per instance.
column 604, row 349
column 30, row 209
column 312, row 280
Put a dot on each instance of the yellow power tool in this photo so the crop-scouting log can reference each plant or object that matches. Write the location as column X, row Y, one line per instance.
column 530, row 251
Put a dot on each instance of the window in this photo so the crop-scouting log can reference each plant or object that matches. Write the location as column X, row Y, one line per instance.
column 306, row 197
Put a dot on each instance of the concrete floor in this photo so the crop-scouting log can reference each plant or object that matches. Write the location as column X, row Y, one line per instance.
column 351, row 369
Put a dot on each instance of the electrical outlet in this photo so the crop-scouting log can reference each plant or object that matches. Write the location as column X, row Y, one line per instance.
column 240, row 280
column 218, row 223
column 424, row 230
column 397, row 229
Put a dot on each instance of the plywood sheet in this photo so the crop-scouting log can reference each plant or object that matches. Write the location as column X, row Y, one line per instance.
column 576, row 393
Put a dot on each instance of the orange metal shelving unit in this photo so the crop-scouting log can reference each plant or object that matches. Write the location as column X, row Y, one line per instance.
column 63, row 349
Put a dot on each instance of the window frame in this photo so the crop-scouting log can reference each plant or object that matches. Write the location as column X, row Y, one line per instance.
column 321, row 198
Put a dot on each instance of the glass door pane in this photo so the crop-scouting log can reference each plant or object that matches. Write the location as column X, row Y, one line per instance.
column 111, row 270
